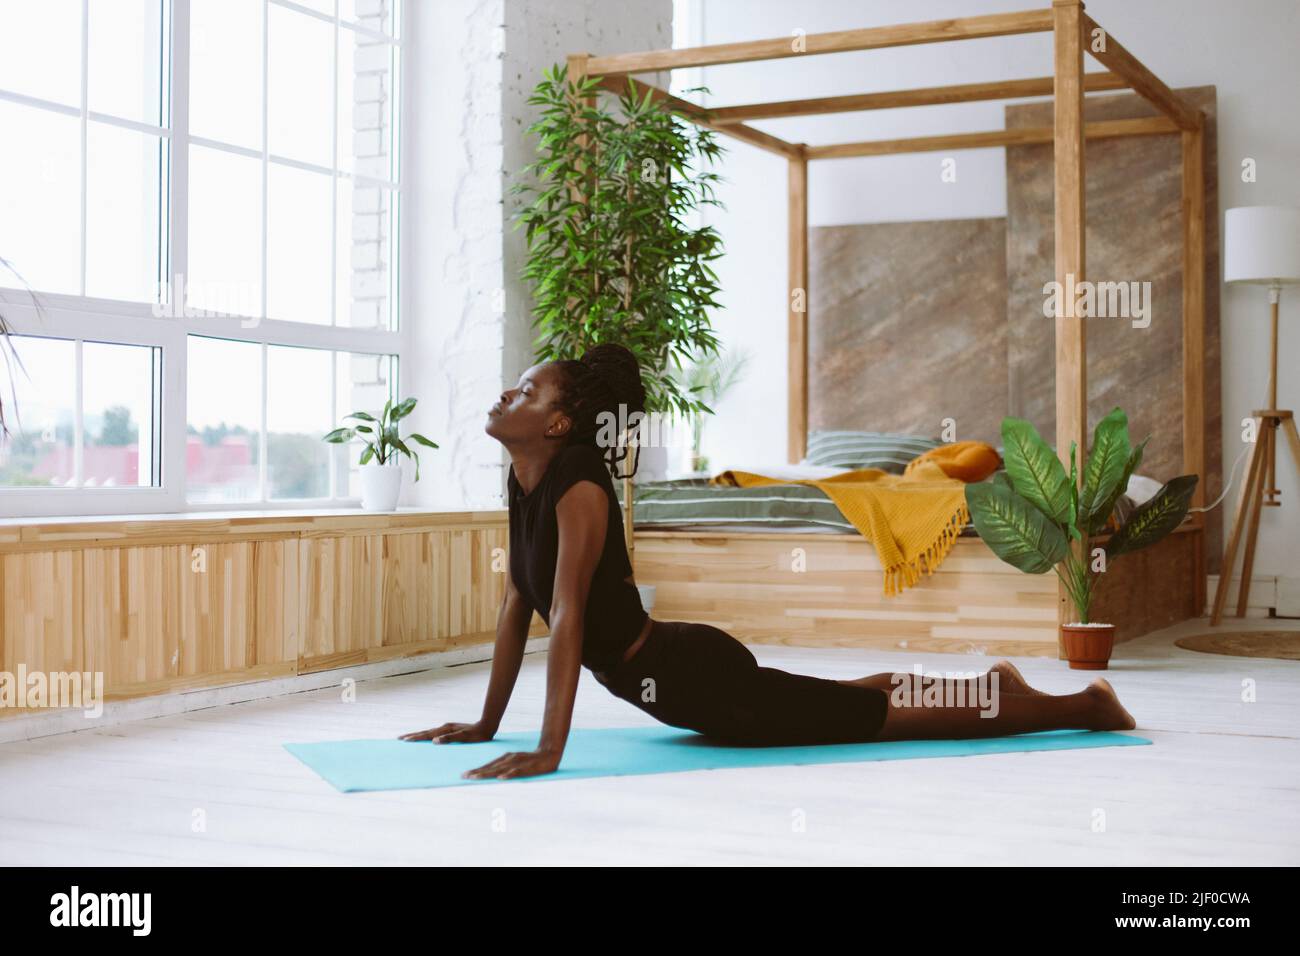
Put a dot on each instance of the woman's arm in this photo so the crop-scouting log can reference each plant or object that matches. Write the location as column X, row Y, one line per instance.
column 582, row 514
column 507, row 653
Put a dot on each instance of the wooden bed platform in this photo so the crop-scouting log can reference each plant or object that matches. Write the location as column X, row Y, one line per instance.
column 747, row 583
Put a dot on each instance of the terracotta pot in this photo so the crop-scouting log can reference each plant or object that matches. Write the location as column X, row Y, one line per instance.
column 1088, row 646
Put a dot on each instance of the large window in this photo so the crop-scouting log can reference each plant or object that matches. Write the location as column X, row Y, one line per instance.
column 198, row 228
column 264, row 444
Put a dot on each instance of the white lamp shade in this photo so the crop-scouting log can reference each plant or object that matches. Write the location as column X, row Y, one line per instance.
column 1261, row 244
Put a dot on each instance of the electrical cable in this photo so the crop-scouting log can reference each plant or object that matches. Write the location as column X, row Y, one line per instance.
column 1227, row 487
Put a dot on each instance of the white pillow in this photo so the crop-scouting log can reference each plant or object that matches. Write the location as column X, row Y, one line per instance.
column 1142, row 489
column 800, row 472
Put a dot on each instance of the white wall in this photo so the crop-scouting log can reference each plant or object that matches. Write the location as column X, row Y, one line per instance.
column 451, row 256
column 1247, row 50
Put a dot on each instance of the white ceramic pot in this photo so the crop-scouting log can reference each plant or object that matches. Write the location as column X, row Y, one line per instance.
column 380, row 486
column 653, row 464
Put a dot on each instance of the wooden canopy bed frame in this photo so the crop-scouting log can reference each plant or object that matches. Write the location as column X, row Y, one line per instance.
column 746, row 582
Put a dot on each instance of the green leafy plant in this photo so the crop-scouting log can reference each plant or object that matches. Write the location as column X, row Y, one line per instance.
column 709, row 377
column 380, row 435
column 1028, row 514
column 611, row 256
column 8, row 355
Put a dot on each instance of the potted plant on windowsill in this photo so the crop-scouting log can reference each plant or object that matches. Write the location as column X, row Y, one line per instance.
column 381, row 474
column 1028, row 515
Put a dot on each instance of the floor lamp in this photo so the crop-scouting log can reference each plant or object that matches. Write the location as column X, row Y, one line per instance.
column 1261, row 247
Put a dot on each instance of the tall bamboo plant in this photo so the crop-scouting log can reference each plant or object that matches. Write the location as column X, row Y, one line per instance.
column 612, row 254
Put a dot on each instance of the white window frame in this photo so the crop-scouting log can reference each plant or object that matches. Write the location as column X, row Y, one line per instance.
column 85, row 318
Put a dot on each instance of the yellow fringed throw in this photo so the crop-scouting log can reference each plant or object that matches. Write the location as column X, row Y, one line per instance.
column 913, row 520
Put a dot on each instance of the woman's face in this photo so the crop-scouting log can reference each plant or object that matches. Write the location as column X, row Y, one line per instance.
column 528, row 412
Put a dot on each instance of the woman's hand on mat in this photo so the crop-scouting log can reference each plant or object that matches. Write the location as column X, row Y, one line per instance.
column 529, row 764
column 453, row 734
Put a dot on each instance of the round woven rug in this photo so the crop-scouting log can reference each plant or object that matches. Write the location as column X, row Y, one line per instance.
column 1283, row 645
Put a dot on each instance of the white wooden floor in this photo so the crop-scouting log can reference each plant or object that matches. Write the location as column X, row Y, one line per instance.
column 1221, row 785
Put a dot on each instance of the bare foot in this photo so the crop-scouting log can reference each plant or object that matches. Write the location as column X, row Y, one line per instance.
column 1111, row 714
column 1012, row 681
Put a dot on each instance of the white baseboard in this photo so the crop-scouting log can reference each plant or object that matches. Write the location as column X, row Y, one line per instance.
column 63, row 721
column 1288, row 597
column 1261, row 602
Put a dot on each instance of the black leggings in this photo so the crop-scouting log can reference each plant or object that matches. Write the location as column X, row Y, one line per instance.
column 700, row 678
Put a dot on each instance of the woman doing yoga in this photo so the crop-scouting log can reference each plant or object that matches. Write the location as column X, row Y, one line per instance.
column 568, row 561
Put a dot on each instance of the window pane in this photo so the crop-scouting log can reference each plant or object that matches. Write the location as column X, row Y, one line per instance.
column 366, row 105
column 225, row 232
column 321, row 6
column 38, row 399
column 125, row 44
column 118, row 393
column 364, row 383
column 125, row 235
column 364, row 251
column 298, row 245
column 297, row 417
column 40, row 49
column 345, row 313
column 379, row 16
column 226, row 71
column 224, row 422
column 40, row 198
column 300, row 86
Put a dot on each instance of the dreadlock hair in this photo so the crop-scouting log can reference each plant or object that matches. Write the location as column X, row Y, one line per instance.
column 605, row 378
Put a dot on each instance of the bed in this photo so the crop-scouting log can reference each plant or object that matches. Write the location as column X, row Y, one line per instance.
column 783, row 565
column 796, row 577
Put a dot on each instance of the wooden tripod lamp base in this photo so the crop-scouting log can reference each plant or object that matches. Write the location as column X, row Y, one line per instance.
column 1259, row 492
column 1261, row 247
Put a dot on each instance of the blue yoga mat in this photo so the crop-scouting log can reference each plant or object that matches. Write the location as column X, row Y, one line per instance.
column 353, row 765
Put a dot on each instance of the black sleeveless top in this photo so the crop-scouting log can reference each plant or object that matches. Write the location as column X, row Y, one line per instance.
column 614, row 616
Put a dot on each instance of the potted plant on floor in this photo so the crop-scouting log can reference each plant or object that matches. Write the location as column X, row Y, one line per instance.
column 381, row 453
column 612, row 253
column 1028, row 515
